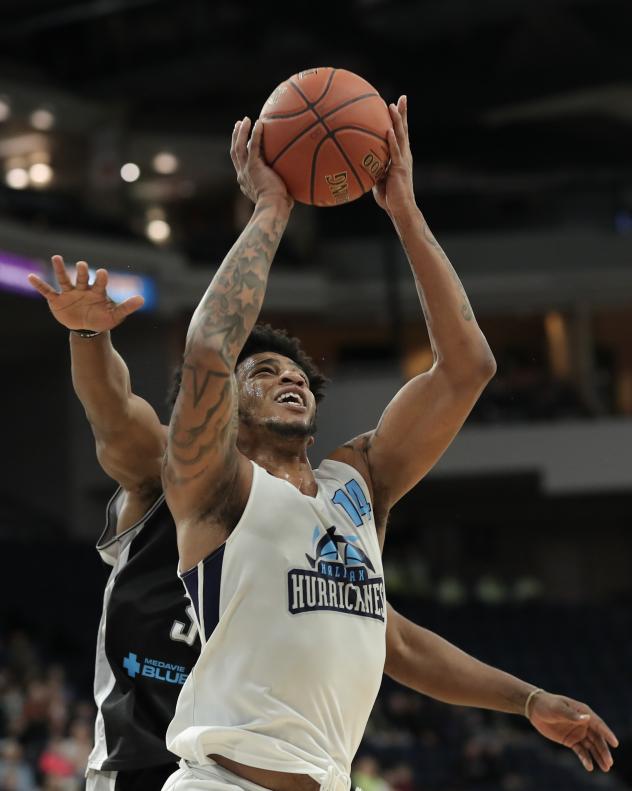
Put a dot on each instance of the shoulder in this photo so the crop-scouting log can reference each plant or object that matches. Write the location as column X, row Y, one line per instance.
column 355, row 454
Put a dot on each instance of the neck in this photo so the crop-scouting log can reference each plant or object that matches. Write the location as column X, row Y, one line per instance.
column 282, row 458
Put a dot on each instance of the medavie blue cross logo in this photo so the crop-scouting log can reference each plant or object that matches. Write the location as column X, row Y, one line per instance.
column 131, row 664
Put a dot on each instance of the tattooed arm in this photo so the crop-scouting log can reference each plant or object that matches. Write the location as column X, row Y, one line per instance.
column 203, row 468
column 423, row 418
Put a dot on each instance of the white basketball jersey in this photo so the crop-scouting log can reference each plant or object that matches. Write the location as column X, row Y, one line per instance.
column 292, row 615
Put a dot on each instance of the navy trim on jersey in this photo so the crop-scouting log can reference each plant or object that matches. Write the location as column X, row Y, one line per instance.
column 206, row 589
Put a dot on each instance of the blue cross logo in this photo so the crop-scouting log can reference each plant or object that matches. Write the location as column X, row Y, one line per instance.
column 131, row 664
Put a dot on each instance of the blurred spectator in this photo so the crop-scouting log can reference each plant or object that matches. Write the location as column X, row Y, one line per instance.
column 15, row 773
column 400, row 778
column 366, row 775
column 46, row 732
column 56, row 768
column 63, row 762
column 481, row 760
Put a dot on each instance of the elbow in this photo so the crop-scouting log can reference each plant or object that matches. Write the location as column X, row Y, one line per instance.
column 477, row 368
column 487, row 365
column 482, row 363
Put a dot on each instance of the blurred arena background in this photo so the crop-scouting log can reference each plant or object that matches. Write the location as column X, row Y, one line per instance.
column 115, row 120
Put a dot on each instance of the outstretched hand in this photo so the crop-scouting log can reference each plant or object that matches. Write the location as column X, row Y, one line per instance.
column 395, row 192
column 576, row 726
column 83, row 305
column 256, row 179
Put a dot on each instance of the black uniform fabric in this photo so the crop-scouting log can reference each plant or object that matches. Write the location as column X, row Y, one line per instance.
column 150, row 641
column 151, row 779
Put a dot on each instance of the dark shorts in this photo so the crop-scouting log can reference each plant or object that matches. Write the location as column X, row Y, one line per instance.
column 151, row 779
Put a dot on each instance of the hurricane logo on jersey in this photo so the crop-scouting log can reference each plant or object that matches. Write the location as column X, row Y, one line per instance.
column 333, row 547
column 338, row 578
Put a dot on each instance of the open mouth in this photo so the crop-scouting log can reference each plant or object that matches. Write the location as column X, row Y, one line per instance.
column 292, row 400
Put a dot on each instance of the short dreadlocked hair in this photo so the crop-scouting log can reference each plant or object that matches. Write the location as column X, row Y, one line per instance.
column 265, row 338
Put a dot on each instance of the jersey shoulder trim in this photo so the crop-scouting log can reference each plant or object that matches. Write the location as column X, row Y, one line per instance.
column 339, row 471
column 109, row 535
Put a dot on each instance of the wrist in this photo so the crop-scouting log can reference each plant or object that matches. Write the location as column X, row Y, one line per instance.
column 405, row 216
column 87, row 334
column 529, row 701
column 278, row 201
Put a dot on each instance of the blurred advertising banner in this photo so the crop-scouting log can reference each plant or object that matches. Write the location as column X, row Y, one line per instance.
column 121, row 285
column 13, row 272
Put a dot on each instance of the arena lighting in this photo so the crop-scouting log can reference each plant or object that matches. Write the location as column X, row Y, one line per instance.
column 17, row 178
column 5, row 109
column 35, row 157
column 42, row 119
column 158, row 231
column 165, row 163
column 40, row 174
column 130, row 172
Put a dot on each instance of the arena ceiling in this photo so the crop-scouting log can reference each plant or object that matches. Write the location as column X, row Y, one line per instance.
column 510, row 100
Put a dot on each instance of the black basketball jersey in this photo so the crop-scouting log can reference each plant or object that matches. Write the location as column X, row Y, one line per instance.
column 147, row 641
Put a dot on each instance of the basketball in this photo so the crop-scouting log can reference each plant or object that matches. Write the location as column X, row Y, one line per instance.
column 324, row 133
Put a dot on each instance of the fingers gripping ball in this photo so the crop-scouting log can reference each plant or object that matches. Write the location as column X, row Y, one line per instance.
column 324, row 133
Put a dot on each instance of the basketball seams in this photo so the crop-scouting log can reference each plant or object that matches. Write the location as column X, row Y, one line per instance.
column 310, row 105
column 312, row 178
column 319, row 119
column 274, row 116
column 331, row 135
column 329, row 132
column 346, row 157
column 347, row 103
column 294, row 140
column 366, row 131
column 358, row 129
column 327, row 87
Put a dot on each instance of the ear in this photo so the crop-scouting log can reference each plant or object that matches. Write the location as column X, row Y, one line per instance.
column 310, row 442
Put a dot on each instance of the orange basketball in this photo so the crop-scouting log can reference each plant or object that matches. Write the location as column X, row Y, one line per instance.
column 324, row 133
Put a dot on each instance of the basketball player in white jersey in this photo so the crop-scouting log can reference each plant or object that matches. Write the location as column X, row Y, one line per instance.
column 282, row 563
column 130, row 443
column 144, row 598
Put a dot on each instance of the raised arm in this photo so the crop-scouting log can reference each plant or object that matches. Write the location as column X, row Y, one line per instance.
column 427, row 663
column 129, row 438
column 202, row 463
column 423, row 418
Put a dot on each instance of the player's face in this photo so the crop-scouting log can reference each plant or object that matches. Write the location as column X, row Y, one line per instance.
column 274, row 393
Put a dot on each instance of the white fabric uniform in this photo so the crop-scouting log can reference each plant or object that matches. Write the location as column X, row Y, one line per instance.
column 292, row 615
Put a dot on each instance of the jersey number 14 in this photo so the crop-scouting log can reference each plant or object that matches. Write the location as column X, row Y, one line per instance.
column 353, row 501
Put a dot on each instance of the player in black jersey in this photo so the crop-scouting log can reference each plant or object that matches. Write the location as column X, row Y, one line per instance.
column 147, row 641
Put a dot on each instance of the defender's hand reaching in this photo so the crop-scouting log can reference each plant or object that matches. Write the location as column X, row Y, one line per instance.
column 395, row 192
column 83, row 306
column 255, row 178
